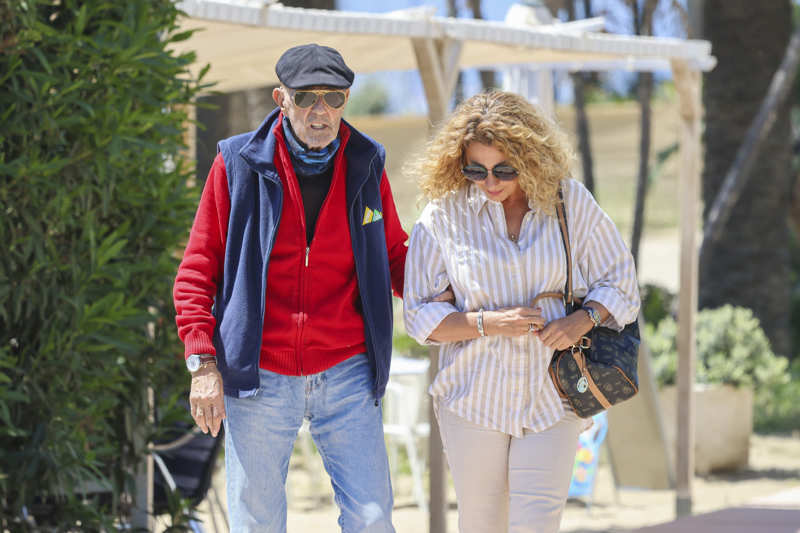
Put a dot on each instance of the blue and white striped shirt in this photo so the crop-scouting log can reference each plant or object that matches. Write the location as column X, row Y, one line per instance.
column 461, row 240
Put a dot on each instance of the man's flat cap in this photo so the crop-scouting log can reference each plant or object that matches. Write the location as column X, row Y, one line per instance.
column 311, row 64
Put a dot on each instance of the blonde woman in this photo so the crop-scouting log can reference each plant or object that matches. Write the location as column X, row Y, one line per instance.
column 492, row 176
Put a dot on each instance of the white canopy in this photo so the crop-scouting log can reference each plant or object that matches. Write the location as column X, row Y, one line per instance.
column 243, row 39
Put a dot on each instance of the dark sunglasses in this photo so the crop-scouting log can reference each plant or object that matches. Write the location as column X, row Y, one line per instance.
column 306, row 98
column 502, row 171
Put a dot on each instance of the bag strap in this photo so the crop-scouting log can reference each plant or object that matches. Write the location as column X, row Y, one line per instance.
column 569, row 304
column 566, row 296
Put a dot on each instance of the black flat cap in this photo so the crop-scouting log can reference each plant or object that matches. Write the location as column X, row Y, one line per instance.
column 311, row 64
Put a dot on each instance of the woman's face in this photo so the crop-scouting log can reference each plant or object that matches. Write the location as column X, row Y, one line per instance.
column 488, row 156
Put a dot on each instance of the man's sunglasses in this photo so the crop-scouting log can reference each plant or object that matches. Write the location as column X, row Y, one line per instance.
column 306, row 98
column 502, row 171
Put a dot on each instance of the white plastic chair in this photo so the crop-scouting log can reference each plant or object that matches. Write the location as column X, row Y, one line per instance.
column 405, row 416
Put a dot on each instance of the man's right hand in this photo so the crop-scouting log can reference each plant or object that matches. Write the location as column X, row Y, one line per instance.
column 206, row 399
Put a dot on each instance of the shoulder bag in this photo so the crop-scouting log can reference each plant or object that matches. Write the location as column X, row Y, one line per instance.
column 599, row 371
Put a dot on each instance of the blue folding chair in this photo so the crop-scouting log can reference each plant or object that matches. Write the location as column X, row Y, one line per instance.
column 186, row 465
column 584, row 470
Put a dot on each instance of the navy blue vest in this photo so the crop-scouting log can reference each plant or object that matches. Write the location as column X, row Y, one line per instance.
column 256, row 201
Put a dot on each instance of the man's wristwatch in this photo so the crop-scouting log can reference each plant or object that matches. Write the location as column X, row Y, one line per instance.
column 197, row 361
column 593, row 313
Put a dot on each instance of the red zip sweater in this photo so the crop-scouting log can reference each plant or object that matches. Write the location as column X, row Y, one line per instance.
column 312, row 318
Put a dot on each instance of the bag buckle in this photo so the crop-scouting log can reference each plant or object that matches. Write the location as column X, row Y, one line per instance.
column 583, row 344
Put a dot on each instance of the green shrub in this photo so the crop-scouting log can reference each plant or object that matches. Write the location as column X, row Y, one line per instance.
column 404, row 344
column 657, row 303
column 371, row 98
column 779, row 411
column 95, row 201
column 732, row 349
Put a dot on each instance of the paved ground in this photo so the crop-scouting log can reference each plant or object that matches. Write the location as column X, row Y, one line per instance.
column 779, row 513
column 774, row 474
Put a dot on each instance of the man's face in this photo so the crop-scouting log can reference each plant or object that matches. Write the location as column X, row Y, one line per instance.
column 317, row 125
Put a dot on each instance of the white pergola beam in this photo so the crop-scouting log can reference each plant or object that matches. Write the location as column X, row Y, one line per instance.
column 242, row 40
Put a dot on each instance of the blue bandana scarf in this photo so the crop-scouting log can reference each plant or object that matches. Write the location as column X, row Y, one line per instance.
column 308, row 162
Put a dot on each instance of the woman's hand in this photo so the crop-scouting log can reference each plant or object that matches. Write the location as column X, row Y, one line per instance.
column 562, row 333
column 513, row 321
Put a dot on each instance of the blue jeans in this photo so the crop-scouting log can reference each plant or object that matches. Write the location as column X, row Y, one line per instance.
column 347, row 428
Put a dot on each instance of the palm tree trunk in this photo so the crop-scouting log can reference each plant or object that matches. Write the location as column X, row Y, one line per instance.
column 643, row 25
column 645, row 94
column 487, row 76
column 582, row 129
column 310, row 4
column 749, row 264
column 458, row 90
column 579, row 96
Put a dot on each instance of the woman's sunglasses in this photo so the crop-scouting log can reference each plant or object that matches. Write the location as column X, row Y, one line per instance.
column 306, row 98
column 502, row 171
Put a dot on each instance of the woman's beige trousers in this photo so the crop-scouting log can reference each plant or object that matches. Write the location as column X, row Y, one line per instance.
column 504, row 483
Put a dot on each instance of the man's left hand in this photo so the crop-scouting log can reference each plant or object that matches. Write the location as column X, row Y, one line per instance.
column 206, row 399
column 448, row 296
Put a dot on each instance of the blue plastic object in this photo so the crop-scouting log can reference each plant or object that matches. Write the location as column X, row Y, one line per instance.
column 584, row 470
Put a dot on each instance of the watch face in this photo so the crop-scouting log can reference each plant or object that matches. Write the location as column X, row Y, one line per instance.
column 193, row 363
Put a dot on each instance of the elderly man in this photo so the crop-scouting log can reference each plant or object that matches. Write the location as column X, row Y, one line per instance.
column 283, row 299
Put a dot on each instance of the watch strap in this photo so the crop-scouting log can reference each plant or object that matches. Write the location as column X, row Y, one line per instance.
column 197, row 361
column 593, row 313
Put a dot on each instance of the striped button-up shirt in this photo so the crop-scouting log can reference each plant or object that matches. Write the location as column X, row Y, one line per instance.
column 461, row 240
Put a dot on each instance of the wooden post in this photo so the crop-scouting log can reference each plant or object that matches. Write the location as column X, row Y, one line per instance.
column 437, row 522
column 687, row 83
column 190, row 139
column 437, row 61
column 544, row 92
column 142, row 511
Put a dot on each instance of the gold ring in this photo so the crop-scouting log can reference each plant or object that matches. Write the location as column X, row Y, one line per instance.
column 531, row 327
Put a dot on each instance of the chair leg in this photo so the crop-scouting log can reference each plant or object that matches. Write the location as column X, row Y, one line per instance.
column 391, row 452
column 213, row 518
column 216, row 501
column 416, row 473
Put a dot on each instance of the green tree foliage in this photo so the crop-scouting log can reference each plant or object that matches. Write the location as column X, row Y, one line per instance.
column 371, row 99
column 732, row 348
column 95, row 203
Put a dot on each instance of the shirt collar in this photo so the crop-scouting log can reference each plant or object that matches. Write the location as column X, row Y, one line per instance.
column 476, row 197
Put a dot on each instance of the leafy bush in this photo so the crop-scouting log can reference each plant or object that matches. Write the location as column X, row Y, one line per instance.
column 93, row 188
column 371, row 98
column 657, row 303
column 732, row 349
column 407, row 346
column 780, row 410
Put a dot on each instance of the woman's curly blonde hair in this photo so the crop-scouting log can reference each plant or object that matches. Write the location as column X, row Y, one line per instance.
column 531, row 142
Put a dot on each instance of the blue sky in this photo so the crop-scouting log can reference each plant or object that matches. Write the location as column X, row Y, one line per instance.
column 405, row 88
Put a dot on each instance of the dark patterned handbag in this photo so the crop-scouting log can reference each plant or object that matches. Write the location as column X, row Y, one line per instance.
column 600, row 371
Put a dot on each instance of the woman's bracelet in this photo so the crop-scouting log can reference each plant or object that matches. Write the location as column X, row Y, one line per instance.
column 480, row 323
